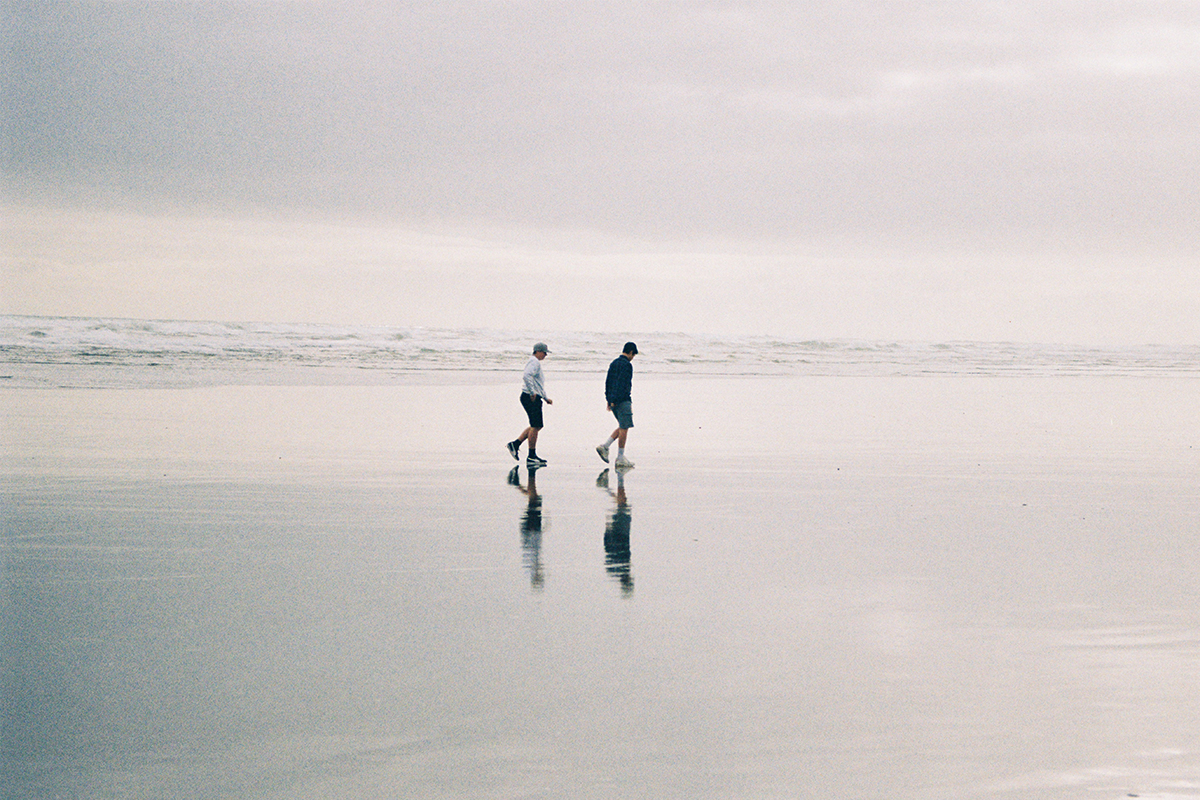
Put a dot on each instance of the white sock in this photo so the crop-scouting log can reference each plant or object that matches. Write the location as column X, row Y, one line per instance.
column 620, row 452
column 611, row 439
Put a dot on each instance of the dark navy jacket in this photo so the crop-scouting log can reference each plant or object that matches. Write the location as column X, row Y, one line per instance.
column 619, row 384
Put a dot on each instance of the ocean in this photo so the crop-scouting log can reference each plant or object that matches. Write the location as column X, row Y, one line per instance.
column 123, row 353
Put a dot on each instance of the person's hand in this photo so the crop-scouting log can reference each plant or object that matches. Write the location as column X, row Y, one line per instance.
column 610, row 406
column 549, row 401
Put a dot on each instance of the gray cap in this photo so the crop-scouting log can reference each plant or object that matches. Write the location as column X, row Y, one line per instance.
column 540, row 347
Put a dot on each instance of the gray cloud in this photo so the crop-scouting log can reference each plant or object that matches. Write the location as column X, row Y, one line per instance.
column 971, row 121
column 974, row 169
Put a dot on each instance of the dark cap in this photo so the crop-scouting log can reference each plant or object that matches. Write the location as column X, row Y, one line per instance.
column 540, row 347
column 630, row 347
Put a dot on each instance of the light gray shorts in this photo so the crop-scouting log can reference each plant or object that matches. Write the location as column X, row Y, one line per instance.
column 623, row 411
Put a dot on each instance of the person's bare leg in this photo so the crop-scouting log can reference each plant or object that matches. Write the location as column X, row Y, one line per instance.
column 532, row 436
column 621, row 434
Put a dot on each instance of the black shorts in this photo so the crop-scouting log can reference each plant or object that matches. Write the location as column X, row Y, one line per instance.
column 533, row 407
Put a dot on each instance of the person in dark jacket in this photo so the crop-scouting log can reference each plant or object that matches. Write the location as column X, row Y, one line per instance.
column 617, row 392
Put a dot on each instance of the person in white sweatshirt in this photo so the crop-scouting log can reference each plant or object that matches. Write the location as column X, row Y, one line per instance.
column 533, row 392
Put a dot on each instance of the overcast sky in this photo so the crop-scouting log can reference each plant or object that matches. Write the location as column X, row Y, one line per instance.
column 1025, row 170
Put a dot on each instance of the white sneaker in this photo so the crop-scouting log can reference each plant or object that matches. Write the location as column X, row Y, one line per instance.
column 623, row 463
column 602, row 449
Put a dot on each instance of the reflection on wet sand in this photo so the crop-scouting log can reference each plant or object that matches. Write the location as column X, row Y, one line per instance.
column 531, row 527
column 616, row 534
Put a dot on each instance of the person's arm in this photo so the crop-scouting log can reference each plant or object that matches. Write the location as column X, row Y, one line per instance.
column 539, row 384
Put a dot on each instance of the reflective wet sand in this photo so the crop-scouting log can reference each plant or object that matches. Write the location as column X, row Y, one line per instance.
column 843, row 587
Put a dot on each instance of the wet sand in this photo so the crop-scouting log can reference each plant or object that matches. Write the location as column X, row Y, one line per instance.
column 841, row 587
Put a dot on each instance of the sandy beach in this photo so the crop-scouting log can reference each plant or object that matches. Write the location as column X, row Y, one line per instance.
column 922, row 587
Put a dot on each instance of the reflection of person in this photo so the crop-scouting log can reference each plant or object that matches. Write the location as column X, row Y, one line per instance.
column 532, row 394
column 531, row 528
column 618, row 388
column 616, row 536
